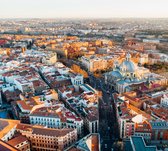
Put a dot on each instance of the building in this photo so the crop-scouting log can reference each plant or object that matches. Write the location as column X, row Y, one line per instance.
column 128, row 117
column 164, row 100
column 11, row 96
column 84, row 103
column 77, row 79
column 157, row 41
column 25, row 106
column 56, row 117
column 57, row 79
column 159, row 131
column 138, row 144
column 48, row 139
column 24, row 85
column 91, row 142
column 144, row 130
column 159, row 113
column 50, row 59
column 143, row 59
column 46, row 57
column 128, row 73
column 7, row 129
column 39, row 86
column 20, row 142
column 92, row 120
column 6, row 147
column 136, row 98
column 93, row 63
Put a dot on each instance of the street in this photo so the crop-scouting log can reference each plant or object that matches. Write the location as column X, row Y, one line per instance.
column 107, row 120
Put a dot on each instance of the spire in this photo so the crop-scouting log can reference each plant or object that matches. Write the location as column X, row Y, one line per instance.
column 128, row 56
column 116, row 64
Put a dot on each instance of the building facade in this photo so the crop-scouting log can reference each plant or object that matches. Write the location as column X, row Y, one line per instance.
column 48, row 139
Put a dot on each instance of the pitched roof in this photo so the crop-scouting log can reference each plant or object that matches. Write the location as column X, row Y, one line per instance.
column 6, row 147
column 17, row 140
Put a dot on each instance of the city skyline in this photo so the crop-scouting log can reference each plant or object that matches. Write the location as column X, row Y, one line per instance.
column 83, row 75
column 83, row 9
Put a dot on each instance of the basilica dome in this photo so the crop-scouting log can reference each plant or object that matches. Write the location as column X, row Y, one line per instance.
column 128, row 65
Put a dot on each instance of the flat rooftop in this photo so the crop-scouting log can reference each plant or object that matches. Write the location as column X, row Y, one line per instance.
column 138, row 144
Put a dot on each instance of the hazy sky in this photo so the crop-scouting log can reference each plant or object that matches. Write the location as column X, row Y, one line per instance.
column 83, row 8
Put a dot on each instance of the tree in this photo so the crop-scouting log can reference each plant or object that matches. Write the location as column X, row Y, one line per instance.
column 77, row 69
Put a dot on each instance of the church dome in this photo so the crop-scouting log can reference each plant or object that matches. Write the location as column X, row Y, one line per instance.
column 128, row 65
column 116, row 74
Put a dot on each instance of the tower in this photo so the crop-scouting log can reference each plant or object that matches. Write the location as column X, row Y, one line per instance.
column 116, row 64
column 128, row 56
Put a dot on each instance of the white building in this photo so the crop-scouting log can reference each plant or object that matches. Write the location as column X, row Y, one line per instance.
column 164, row 100
column 7, row 129
column 45, row 69
column 128, row 73
column 77, row 79
column 24, row 85
column 151, row 41
column 50, row 59
column 56, row 117
column 46, row 120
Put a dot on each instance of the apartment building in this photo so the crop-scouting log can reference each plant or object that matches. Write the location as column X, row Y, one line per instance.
column 46, row 138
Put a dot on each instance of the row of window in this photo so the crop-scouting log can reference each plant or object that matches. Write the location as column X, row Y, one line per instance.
column 54, row 124
column 45, row 119
column 142, row 134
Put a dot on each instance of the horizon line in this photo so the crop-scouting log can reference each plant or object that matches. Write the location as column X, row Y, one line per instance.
column 83, row 17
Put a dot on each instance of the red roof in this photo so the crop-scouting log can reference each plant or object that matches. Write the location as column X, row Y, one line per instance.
column 2, row 41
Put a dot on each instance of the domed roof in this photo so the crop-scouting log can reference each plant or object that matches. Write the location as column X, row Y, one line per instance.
column 116, row 74
column 128, row 66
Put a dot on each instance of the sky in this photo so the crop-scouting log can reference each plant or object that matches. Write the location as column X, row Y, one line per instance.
column 83, row 8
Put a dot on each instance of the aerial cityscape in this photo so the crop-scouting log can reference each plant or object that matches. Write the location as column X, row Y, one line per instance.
column 77, row 78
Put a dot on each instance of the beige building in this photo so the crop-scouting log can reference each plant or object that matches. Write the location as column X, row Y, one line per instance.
column 94, row 63
column 50, row 59
column 48, row 139
column 143, row 59
column 20, row 142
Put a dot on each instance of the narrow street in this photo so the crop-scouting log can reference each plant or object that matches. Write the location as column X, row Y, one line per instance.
column 107, row 120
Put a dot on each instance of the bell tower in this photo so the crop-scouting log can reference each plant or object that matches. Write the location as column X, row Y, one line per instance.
column 128, row 56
